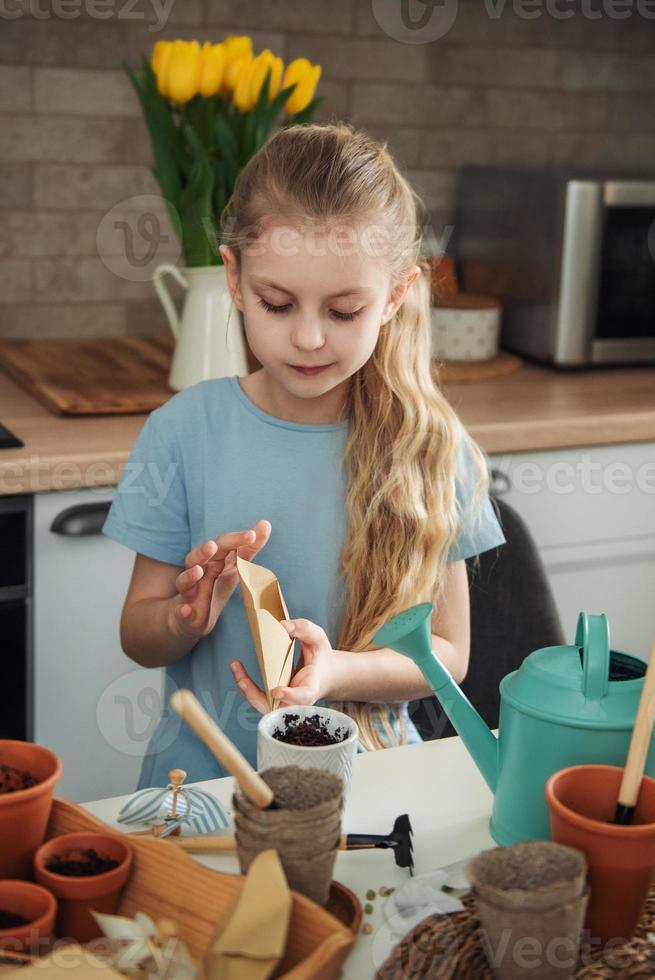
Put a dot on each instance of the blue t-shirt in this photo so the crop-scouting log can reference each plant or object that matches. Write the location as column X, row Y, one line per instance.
column 210, row 461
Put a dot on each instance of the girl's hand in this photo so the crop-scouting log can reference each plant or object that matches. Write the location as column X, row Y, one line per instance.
column 210, row 577
column 312, row 680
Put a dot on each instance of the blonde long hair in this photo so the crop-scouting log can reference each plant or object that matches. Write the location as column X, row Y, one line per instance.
column 402, row 514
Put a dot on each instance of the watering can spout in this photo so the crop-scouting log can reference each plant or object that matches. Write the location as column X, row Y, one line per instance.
column 409, row 633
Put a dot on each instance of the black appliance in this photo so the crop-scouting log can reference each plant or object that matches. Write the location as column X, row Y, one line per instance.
column 16, row 616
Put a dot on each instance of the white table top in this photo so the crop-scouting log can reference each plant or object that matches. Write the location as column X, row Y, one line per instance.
column 448, row 803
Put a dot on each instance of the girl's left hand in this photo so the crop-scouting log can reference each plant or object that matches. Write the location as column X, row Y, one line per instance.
column 311, row 681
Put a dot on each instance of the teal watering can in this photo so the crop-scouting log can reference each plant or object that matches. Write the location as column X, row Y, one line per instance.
column 564, row 706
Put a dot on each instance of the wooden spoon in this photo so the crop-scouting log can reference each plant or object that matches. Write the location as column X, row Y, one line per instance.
column 639, row 745
column 192, row 712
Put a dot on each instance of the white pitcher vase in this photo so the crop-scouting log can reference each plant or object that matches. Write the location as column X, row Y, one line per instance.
column 208, row 345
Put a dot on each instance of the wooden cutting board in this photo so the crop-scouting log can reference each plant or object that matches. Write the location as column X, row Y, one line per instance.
column 102, row 376
column 468, row 372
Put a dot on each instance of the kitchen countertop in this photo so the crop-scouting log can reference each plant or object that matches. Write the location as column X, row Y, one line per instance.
column 60, row 453
column 534, row 408
column 544, row 408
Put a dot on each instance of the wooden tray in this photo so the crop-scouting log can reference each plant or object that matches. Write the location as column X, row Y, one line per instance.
column 468, row 372
column 167, row 883
column 103, row 376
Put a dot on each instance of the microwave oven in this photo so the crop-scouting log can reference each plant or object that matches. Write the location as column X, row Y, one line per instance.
column 570, row 255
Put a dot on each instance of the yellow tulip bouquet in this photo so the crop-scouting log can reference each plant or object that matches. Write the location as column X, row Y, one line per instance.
column 208, row 110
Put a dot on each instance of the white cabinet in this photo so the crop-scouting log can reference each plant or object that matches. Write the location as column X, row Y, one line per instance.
column 592, row 513
column 91, row 704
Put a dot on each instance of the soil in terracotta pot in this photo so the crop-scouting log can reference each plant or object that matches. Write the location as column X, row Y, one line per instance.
column 85, row 863
column 309, row 731
column 9, row 920
column 13, row 779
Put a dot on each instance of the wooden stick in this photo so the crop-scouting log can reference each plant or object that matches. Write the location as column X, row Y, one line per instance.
column 155, row 831
column 639, row 745
column 207, row 842
column 189, row 708
column 224, row 842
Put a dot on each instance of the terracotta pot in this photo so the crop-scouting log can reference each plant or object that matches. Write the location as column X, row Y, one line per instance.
column 34, row 903
column 620, row 859
column 78, row 895
column 24, row 814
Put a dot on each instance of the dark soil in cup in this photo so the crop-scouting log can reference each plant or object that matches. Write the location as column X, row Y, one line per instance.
column 87, row 863
column 295, row 788
column 309, row 731
column 9, row 920
column 13, row 779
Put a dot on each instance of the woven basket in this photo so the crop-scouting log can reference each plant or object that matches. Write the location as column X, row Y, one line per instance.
column 447, row 947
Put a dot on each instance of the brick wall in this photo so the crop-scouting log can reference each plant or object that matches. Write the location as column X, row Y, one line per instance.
column 525, row 86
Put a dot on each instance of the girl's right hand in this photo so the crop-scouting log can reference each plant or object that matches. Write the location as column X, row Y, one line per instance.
column 210, row 577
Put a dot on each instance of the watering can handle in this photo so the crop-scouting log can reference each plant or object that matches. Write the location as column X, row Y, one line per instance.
column 162, row 291
column 593, row 635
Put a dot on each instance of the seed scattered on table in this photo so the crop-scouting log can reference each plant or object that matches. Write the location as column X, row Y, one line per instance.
column 370, row 894
column 368, row 908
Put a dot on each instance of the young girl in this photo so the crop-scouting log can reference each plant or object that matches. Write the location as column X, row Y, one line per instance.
column 339, row 465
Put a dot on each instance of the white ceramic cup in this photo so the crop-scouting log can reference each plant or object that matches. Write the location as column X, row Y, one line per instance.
column 337, row 758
